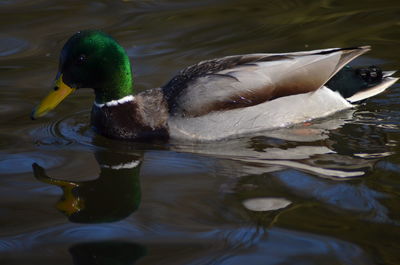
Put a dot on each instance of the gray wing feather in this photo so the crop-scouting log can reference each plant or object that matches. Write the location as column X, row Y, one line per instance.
column 246, row 80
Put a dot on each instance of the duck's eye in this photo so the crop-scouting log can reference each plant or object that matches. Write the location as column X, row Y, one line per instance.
column 81, row 59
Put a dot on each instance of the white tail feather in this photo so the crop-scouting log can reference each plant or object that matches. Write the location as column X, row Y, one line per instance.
column 375, row 90
column 388, row 73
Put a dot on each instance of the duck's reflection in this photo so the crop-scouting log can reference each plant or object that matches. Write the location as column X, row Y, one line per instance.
column 107, row 252
column 114, row 195
column 310, row 147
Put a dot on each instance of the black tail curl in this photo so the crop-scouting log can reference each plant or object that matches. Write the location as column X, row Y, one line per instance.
column 371, row 75
column 349, row 80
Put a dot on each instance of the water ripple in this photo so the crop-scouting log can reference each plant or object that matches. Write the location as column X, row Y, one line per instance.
column 74, row 128
column 285, row 246
column 11, row 45
column 355, row 198
column 22, row 162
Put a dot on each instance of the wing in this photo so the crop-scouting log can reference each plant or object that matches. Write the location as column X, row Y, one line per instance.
column 246, row 80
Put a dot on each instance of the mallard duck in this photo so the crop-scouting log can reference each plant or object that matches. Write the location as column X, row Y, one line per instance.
column 213, row 99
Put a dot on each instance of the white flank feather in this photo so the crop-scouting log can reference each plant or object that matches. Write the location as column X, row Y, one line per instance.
column 281, row 112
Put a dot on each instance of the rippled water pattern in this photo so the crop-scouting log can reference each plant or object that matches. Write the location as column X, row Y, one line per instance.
column 327, row 192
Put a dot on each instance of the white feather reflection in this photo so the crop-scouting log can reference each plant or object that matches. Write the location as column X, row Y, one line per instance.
column 266, row 204
column 306, row 147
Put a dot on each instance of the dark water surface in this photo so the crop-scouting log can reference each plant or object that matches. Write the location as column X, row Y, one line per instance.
column 326, row 193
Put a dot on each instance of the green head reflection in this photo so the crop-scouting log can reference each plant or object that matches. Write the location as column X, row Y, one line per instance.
column 114, row 195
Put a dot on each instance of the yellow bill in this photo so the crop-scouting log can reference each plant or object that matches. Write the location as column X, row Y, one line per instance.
column 60, row 92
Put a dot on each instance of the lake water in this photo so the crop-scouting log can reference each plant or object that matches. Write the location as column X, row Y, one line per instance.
column 326, row 192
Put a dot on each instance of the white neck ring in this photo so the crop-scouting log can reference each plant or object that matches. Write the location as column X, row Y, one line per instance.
column 115, row 102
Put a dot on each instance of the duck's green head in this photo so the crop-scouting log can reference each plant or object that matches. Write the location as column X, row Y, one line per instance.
column 90, row 59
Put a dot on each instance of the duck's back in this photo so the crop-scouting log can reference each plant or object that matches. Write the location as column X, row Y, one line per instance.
column 246, row 80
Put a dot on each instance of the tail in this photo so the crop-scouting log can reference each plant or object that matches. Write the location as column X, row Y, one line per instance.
column 386, row 81
column 358, row 84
